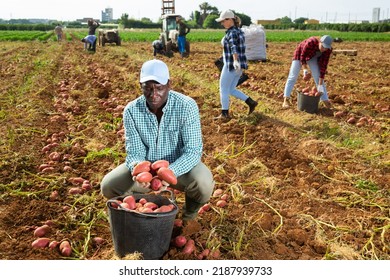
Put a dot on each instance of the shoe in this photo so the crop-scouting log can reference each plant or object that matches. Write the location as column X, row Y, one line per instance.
column 286, row 103
column 224, row 115
column 252, row 104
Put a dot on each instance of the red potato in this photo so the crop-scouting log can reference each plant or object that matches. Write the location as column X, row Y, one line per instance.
column 204, row 254
column 143, row 166
column 221, row 203
column 145, row 210
column 179, row 241
column 144, row 177
column 339, row 114
column 142, row 201
column 306, row 90
column 156, row 184
column 42, row 231
column 86, row 186
column 125, row 205
column 167, row 175
column 115, row 205
column 159, row 163
column 178, row 223
column 43, row 166
column 360, row 124
column 130, row 200
column 225, row 197
column 151, row 205
column 164, row 209
column 54, row 195
column 217, row 192
column 75, row 190
column 189, row 248
column 53, row 244
column 41, row 242
column 76, row 180
column 351, row 120
column 67, row 169
column 48, row 170
column 98, row 240
column 65, row 248
column 206, row 207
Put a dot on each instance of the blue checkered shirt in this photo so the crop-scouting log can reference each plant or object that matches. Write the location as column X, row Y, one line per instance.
column 234, row 42
column 177, row 139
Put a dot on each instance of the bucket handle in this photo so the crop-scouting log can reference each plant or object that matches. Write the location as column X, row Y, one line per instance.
column 172, row 200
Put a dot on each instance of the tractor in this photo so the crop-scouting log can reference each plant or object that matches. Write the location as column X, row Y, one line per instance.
column 169, row 35
column 109, row 36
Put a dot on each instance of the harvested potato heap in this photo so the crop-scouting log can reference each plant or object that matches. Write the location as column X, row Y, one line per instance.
column 156, row 173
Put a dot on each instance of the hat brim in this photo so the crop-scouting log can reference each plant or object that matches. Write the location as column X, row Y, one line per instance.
column 219, row 19
column 326, row 46
column 160, row 80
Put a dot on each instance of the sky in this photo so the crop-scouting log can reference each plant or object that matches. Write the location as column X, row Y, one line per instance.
column 326, row 10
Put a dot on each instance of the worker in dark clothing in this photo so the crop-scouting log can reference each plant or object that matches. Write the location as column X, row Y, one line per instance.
column 92, row 25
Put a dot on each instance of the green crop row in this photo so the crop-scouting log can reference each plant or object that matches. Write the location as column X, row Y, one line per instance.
column 149, row 35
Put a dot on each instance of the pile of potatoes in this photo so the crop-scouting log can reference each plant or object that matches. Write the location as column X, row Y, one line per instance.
column 311, row 91
column 44, row 242
column 156, row 173
column 141, row 205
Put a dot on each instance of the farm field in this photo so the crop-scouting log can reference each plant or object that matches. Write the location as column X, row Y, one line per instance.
column 300, row 186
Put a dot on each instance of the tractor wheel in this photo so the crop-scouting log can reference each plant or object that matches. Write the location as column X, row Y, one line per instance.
column 187, row 48
column 103, row 41
column 169, row 49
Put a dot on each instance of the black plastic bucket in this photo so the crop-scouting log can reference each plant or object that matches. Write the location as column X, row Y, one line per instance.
column 146, row 233
column 307, row 103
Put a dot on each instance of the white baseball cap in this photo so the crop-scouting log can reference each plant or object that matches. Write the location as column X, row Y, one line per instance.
column 225, row 14
column 326, row 41
column 154, row 70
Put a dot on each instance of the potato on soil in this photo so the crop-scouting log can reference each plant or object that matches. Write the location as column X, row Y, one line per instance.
column 65, row 248
column 189, row 247
column 179, row 241
column 42, row 231
column 221, row 203
column 41, row 242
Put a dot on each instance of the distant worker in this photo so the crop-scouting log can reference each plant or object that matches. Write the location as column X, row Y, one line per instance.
column 58, row 32
column 183, row 31
column 311, row 54
column 158, row 48
column 92, row 25
column 89, row 43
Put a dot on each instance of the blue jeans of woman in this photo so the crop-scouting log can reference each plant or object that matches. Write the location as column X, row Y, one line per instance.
column 227, row 86
column 294, row 74
column 181, row 41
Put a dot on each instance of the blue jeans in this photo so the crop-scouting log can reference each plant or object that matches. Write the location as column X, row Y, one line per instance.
column 227, row 86
column 181, row 41
column 294, row 74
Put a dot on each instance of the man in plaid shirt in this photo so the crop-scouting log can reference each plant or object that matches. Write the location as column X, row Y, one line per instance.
column 311, row 53
column 163, row 124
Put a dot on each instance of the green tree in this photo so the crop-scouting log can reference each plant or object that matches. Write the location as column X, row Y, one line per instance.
column 245, row 20
column 210, row 22
column 205, row 10
column 300, row 20
column 285, row 20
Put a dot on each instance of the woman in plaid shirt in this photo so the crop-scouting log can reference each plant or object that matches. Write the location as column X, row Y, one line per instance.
column 162, row 124
column 313, row 54
column 234, row 61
